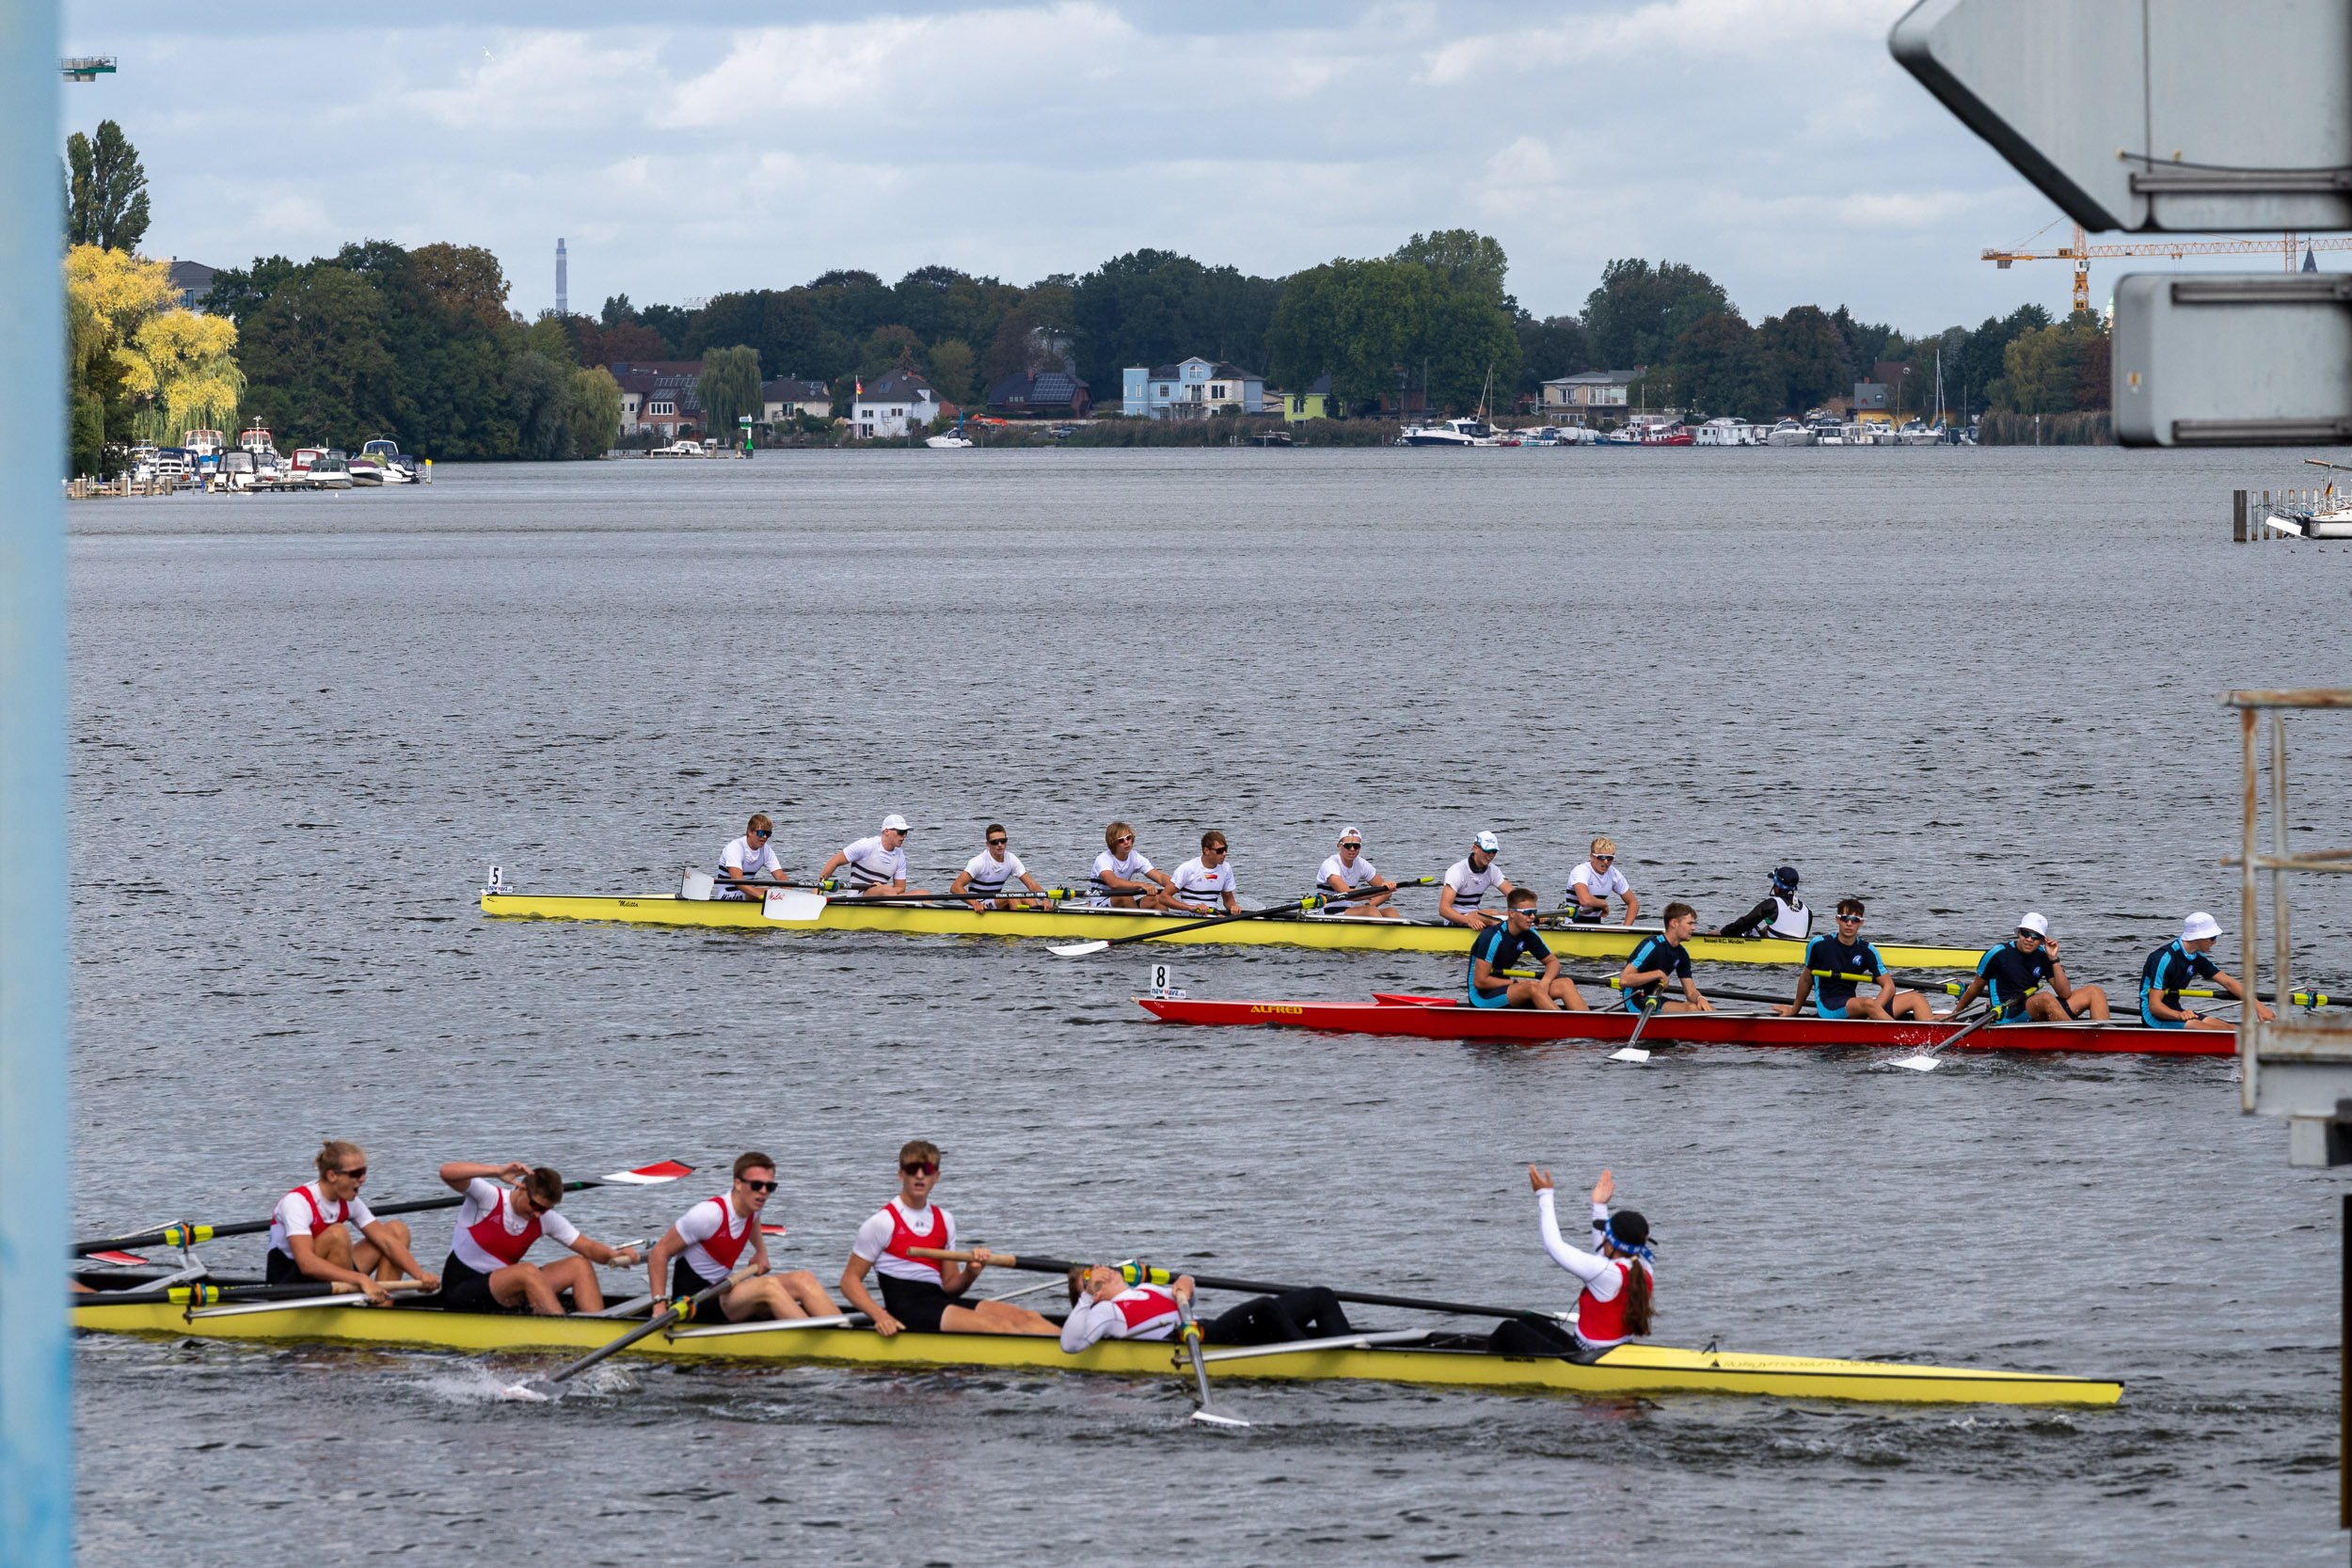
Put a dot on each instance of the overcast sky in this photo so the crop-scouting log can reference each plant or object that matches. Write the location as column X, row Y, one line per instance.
column 1772, row 143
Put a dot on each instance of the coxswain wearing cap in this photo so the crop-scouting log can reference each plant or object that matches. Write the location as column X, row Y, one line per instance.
column 920, row 1294
column 1591, row 883
column 1835, row 968
column 1206, row 884
column 1122, row 878
column 1781, row 913
column 497, row 1225
column 309, row 1231
column 1469, row 881
column 873, row 865
column 1350, row 872
column 742, row 862
column 982, row 882
column 2010, row 977
column 1103, row 1306
column 1662, row 957
column 1619, row 1283
column 2176, row 964
column 1502, row 947
column 714, row 1238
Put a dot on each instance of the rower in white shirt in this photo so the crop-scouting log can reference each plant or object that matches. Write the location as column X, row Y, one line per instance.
column 1350, row 871
column 1469, row 881
column 309, row 1231
column 1591, row 884
column 496, row 1226
column 749, row 858
column 1122, row 878
column 1102, row 1306
column 876, row 865
column 710, row 1240
column 981, row 882
column 1205, row 884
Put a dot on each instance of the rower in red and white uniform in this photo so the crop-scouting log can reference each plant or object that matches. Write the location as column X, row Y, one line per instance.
column 309, row 1231
column 1103, row 1306
column 1206, row 884
column 920, row 1294
column 497, row 1225
column 1614, row 1305
column 717, row 1235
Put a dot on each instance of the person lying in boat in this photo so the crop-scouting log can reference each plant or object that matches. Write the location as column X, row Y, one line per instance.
column 876, row 865
column 1103, row 1306
column 2011, row 977
column 922, row 1295
column 2176, row 964
column 309, row 1231
column 1781, row 913
column 1659, row 958
column 1502, row 947
column 982, row 882
column 1123, row 879
column 710, row 1240
column 1206, row 884
column 1591, row 883
column 1834, row 966
column 497, row 1225
column 1348, row 871
column 742, row 862
column 1616, row 1301
column 1468, row 881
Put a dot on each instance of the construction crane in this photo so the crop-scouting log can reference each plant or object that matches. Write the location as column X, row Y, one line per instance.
column 87, row 67
column 2081, row 251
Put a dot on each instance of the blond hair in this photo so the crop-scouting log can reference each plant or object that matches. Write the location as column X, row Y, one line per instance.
column 1601, row 847
column 333, row 1152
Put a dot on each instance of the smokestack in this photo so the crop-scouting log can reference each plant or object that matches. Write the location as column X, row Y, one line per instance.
column 562, row 282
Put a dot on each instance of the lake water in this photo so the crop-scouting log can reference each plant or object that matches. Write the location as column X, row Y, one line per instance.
column 1959, row 683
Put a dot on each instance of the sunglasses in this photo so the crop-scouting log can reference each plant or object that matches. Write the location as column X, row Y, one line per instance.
column 759, row 833
column 993, row 842
column 1129, row 839
column 1603, row 860
column 1850, row 920
column 357, row 1173
column 919, row 1167
column 758, row 1186
column 1349, row 844
column 2029, row 936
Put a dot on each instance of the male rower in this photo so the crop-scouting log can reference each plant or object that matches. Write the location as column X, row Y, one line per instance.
column 982, row 882
column 1660, row 957
column 1835, row 965
column 2011, row 976
column 921, row 1296
column 2179, row 961
column 1205, row 884
column 1467, row 880
column 1123, row 879
column 497, row 1225
column 1499, row 948
column 1781, row 913
column 1349, row 872
column 712, row 1239
column 743, row 861
column 874, row 865
column 309, row 1232
column 1102, row 1306
column 1591, row 883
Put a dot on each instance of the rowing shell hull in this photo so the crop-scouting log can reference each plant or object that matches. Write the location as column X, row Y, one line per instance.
column 1628, row 1370
column 1442, row 1019
column 1337, row 933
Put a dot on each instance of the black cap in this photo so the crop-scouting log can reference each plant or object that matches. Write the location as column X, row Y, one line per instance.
column 1784, row 876
column 1628, row 1227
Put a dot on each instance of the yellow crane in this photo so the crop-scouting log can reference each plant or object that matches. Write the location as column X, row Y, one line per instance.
column 2287, row 245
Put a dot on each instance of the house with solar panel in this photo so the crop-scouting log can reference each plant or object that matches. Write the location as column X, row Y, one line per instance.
column 1193, row 388
column 1046, row 395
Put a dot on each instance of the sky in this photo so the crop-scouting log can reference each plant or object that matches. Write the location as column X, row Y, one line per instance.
column 1773, row 144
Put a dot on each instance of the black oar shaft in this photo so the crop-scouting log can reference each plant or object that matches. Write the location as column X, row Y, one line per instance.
column 659, row 1320
column 1030, row 1264
column 190, row 1234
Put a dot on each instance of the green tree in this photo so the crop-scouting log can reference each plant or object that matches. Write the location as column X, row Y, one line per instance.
column 1155, row 308
column 729, row 388
column 1472, row 262
column 106, row 190
column 2035, row 377
column 1639, row 310
column 592, row 416
column 1368, row 322
column 1805, row 358
column 1719, row 368
column 539, row 391
column 318, row 364
column 951, row 370
column 1551, row 348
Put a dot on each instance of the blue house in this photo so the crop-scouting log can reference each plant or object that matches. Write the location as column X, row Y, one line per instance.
column 1194, row 389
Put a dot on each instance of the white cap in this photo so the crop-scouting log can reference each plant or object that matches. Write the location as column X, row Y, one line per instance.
column 1349, row 831
column 2034, row 923
column 1487, row 842
column 2198, row 926
column 893, row 823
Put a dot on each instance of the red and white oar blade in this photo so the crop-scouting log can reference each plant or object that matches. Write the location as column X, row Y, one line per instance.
column 651, row 1175
column 771, row 1231
column 124, row 1259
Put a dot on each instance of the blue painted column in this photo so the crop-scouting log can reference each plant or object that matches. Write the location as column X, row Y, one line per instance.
column 36, row 1372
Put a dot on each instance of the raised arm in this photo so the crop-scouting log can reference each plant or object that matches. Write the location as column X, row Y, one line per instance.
column 460, row 1174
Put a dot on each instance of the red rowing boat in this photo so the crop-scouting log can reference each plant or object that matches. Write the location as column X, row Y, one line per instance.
column 1441, row 1018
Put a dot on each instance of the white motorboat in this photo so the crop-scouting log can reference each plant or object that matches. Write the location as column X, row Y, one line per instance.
column 1790, row 432
column 397, row 466
column 329, row 470
column 1467, row 432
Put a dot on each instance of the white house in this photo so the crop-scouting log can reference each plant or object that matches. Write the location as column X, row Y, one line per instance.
column 1192, row 389
column 1590, row 395
column 892, row 404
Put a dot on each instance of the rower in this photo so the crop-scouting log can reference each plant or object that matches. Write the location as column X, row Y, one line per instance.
column 497, row 1225
column 1102, row 1306
column 2178, row 963
column 309, row 1236
column 1500, row 947
column 1781, row 913
column 1205, row 884
column 919, row 1295
column 1659, row 958
column 1348, row 871
column 1591, row 883
column 1122, row 878
column 2010, row 977
column 1468, row 881
column 709, row 1240
column 876, row 865
column 981, row 882
column 1614, row 1305
column 1834, row 965
column 749, row 856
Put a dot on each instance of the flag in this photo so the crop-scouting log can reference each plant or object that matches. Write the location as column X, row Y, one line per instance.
column 861, row 389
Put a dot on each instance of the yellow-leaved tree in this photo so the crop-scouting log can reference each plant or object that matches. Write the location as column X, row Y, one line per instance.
column 184, row 365
column 139, row 367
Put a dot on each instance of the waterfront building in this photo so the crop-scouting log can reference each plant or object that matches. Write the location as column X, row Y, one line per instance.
column 890, row 404
column 1193, row 388
column 1589, row 396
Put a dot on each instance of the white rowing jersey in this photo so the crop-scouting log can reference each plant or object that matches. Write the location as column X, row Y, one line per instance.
column 985, row 877
column 1108, row 864
column 1354, row 876
column 487, row 1201
column 304, row 1212
column 883, row 1240
column 741, row 859
column 1470, row 886
column 1600, row 885
column 1197, row 884
column 871, row 866
column 1793, row 920
column 1144, row 1312
column 702, row 1224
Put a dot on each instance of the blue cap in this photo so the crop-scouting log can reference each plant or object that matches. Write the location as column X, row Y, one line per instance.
column 1784, row 876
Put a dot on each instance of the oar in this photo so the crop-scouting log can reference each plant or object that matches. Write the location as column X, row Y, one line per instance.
column 1312, row 901
column 210, row 1296
column 1191, row 1333
column 1926, row 1061
column 1140, row 1274
column 1631, row 1051
column 547, row 1388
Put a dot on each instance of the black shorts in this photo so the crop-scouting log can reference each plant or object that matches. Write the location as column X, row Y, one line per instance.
column 466, row 1288
column 277, row 1268
column 684, row 1284
column 918, row 1304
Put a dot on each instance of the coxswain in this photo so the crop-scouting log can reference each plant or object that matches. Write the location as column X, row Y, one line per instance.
column 1500, row 947
column 1205, row 884
column 1619, row 1283
column 1348, row 871
column 743, row 861
column 1591, row 883
column 2010, row 977
column 2179, row 961
column 1469, row 881
column 874, row 865
column 920, row 1294
column 1122, row 878
column 1781, row 913
column 712, row 1239
column 1103, row 1306
column 982, row 882
column 1834, row 967
column 497, row 1225
column 1662, row 957
column 309, row 1232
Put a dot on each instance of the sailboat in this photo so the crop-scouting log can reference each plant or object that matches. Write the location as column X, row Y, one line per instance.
column 1472, row 432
